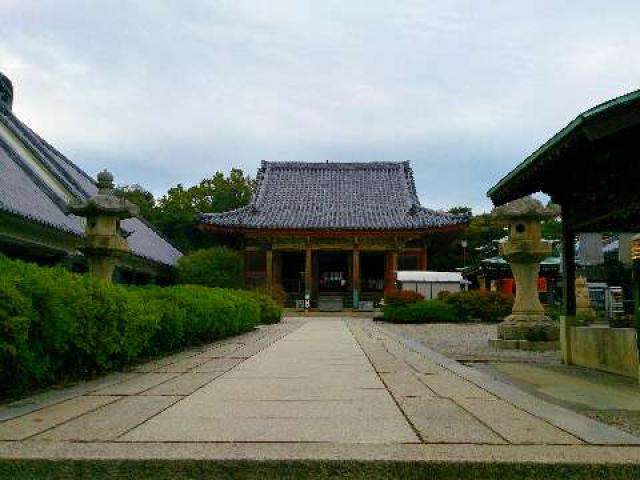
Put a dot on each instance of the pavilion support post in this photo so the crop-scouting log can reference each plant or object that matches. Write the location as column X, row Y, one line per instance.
column 269, row 254
column 390, row 271
column 307, row 277
column 356, row 278
column 567, row 320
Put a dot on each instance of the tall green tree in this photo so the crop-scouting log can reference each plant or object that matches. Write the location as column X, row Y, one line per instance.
column 176, row 212
column 447, row 252
column 140, row 196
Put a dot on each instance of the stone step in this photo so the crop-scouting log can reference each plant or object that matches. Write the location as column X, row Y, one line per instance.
column 208, row 461
column 330, row 303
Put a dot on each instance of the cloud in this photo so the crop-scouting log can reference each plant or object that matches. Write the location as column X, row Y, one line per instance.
column 165, row 92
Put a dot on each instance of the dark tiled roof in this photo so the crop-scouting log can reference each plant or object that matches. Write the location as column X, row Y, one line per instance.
column 338, row 196
column 24, row 193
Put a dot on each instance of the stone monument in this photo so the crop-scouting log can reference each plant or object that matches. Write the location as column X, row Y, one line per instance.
column 104, row 242
column 583, row 301
column 528, row 327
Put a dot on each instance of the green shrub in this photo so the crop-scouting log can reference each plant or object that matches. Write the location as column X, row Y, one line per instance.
column 273, row 290
column 55, row 324
column 212, row 267
column 483, row 305
column 16, row 314
column 270, row 311
column 402, row 297
column 427, row 311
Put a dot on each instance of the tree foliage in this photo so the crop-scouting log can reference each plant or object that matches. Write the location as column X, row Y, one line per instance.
column 175, row 213
column 140, row 196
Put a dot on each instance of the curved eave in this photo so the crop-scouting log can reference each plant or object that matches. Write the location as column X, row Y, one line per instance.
column 578, row 127
column 63, row 229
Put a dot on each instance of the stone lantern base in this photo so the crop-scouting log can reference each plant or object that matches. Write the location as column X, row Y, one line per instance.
column 527, row 332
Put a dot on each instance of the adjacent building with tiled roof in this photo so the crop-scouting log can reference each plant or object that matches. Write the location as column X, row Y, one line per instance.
column 37, row 184
column 332, row 231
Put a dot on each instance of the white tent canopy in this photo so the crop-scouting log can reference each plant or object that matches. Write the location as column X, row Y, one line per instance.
column 421, row 276
column 430, row 284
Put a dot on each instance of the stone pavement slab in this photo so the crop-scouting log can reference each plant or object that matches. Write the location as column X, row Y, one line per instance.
column 183, row 384
column 451, row 386
column 251, row 429
column 110, row 421
column 514, row 424
column 46, row 418
column 440, row 420
column 138, row 384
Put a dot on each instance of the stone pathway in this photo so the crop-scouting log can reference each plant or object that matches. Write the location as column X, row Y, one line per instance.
column 308, row 389
column 315, row 385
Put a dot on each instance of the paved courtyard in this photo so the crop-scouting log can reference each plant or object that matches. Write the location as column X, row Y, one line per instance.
column 307, row 389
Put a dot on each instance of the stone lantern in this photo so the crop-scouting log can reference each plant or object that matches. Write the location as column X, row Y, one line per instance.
column 104, row 243
column 524, row 250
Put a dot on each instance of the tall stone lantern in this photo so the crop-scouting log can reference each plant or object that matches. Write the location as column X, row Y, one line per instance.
column 524, row 250
column 104, row 242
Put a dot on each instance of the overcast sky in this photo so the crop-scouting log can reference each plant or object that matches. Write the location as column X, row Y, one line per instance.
column 167, row 92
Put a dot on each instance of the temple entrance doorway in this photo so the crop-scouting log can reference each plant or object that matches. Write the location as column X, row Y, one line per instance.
column 292, row 276
column 372, row 268
column 334, row 272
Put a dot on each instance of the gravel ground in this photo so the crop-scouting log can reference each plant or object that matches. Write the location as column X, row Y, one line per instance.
column 469, row 342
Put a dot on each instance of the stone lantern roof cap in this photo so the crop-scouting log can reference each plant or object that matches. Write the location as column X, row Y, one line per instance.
column 525, row 208
column 105, row 180
column 105, row 203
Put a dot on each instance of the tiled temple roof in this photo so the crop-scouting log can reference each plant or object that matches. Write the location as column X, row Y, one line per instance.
column 24, row 193
column 334, row 196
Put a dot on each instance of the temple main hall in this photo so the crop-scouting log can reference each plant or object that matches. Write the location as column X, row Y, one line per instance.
column 332, row 234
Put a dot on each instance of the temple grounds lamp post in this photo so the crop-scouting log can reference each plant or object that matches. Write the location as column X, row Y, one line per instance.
column 104, row 242
column 464, row 245
column 528, row 327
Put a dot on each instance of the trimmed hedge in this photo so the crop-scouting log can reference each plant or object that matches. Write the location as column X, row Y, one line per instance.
column 427, row 311
column 480, row 305
column 56, row 325
column 211, row 267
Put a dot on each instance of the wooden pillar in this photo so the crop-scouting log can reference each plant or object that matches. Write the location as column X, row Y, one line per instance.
column 422, row 260
column 307, row 272
column 568, row 268
column 269, row 254
column 569, row 286
column 355, row 272
column 243, row 263
column 390, row 271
